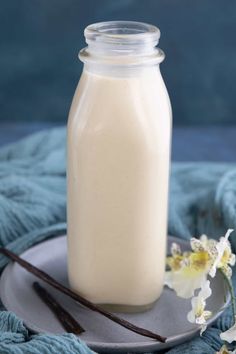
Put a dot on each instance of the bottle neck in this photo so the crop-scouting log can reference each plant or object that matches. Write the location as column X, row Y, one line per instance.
column 121, row 44
column 123, row 71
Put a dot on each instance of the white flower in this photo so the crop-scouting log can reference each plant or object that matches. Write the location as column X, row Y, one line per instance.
column 188, row 271
column 198, row 314
column 224, row 256
column 224, row 350
column 229, row 335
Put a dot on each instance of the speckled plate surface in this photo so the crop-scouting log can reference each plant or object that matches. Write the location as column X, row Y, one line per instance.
column 167, row 317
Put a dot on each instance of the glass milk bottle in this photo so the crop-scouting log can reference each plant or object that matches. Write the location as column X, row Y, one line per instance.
column 119, row 133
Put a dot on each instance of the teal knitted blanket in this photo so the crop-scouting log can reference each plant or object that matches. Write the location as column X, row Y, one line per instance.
column 33, row 208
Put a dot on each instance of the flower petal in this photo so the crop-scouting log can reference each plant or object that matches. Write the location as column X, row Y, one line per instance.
column 232, row 259
column 191, row 317
column 168, row 279
column 229, row 335
column 175, row 249
column 203, row 328
column 205, row 291
column 185, row 281
column 196, row 245
column 220, row 247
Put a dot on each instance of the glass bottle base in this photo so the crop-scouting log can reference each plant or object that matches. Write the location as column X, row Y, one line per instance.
column 126, row 308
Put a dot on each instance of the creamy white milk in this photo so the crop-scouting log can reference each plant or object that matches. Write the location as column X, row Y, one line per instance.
column 118, row 168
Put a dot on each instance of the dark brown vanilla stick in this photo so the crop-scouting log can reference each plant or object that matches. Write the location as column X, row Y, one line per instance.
column 51, row 281
column 64, row 317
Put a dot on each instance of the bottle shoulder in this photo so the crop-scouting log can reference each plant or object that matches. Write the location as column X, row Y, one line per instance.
column 144, row 94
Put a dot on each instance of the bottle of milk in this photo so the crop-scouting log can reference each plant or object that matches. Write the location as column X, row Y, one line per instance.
column 119, row 133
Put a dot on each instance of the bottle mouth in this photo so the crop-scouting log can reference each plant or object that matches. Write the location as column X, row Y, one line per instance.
column 122, row 43
column 122, row 33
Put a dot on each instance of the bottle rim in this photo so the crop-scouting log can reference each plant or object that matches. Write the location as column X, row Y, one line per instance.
column 122, row 33
column 122, row 43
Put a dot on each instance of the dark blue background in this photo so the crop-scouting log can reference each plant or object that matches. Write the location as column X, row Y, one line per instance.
column 40, row 40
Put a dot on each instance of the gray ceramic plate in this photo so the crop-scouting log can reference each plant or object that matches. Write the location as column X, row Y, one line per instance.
column 167, row 317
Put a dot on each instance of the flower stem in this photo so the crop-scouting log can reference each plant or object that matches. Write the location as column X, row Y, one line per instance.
column 231, row 291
